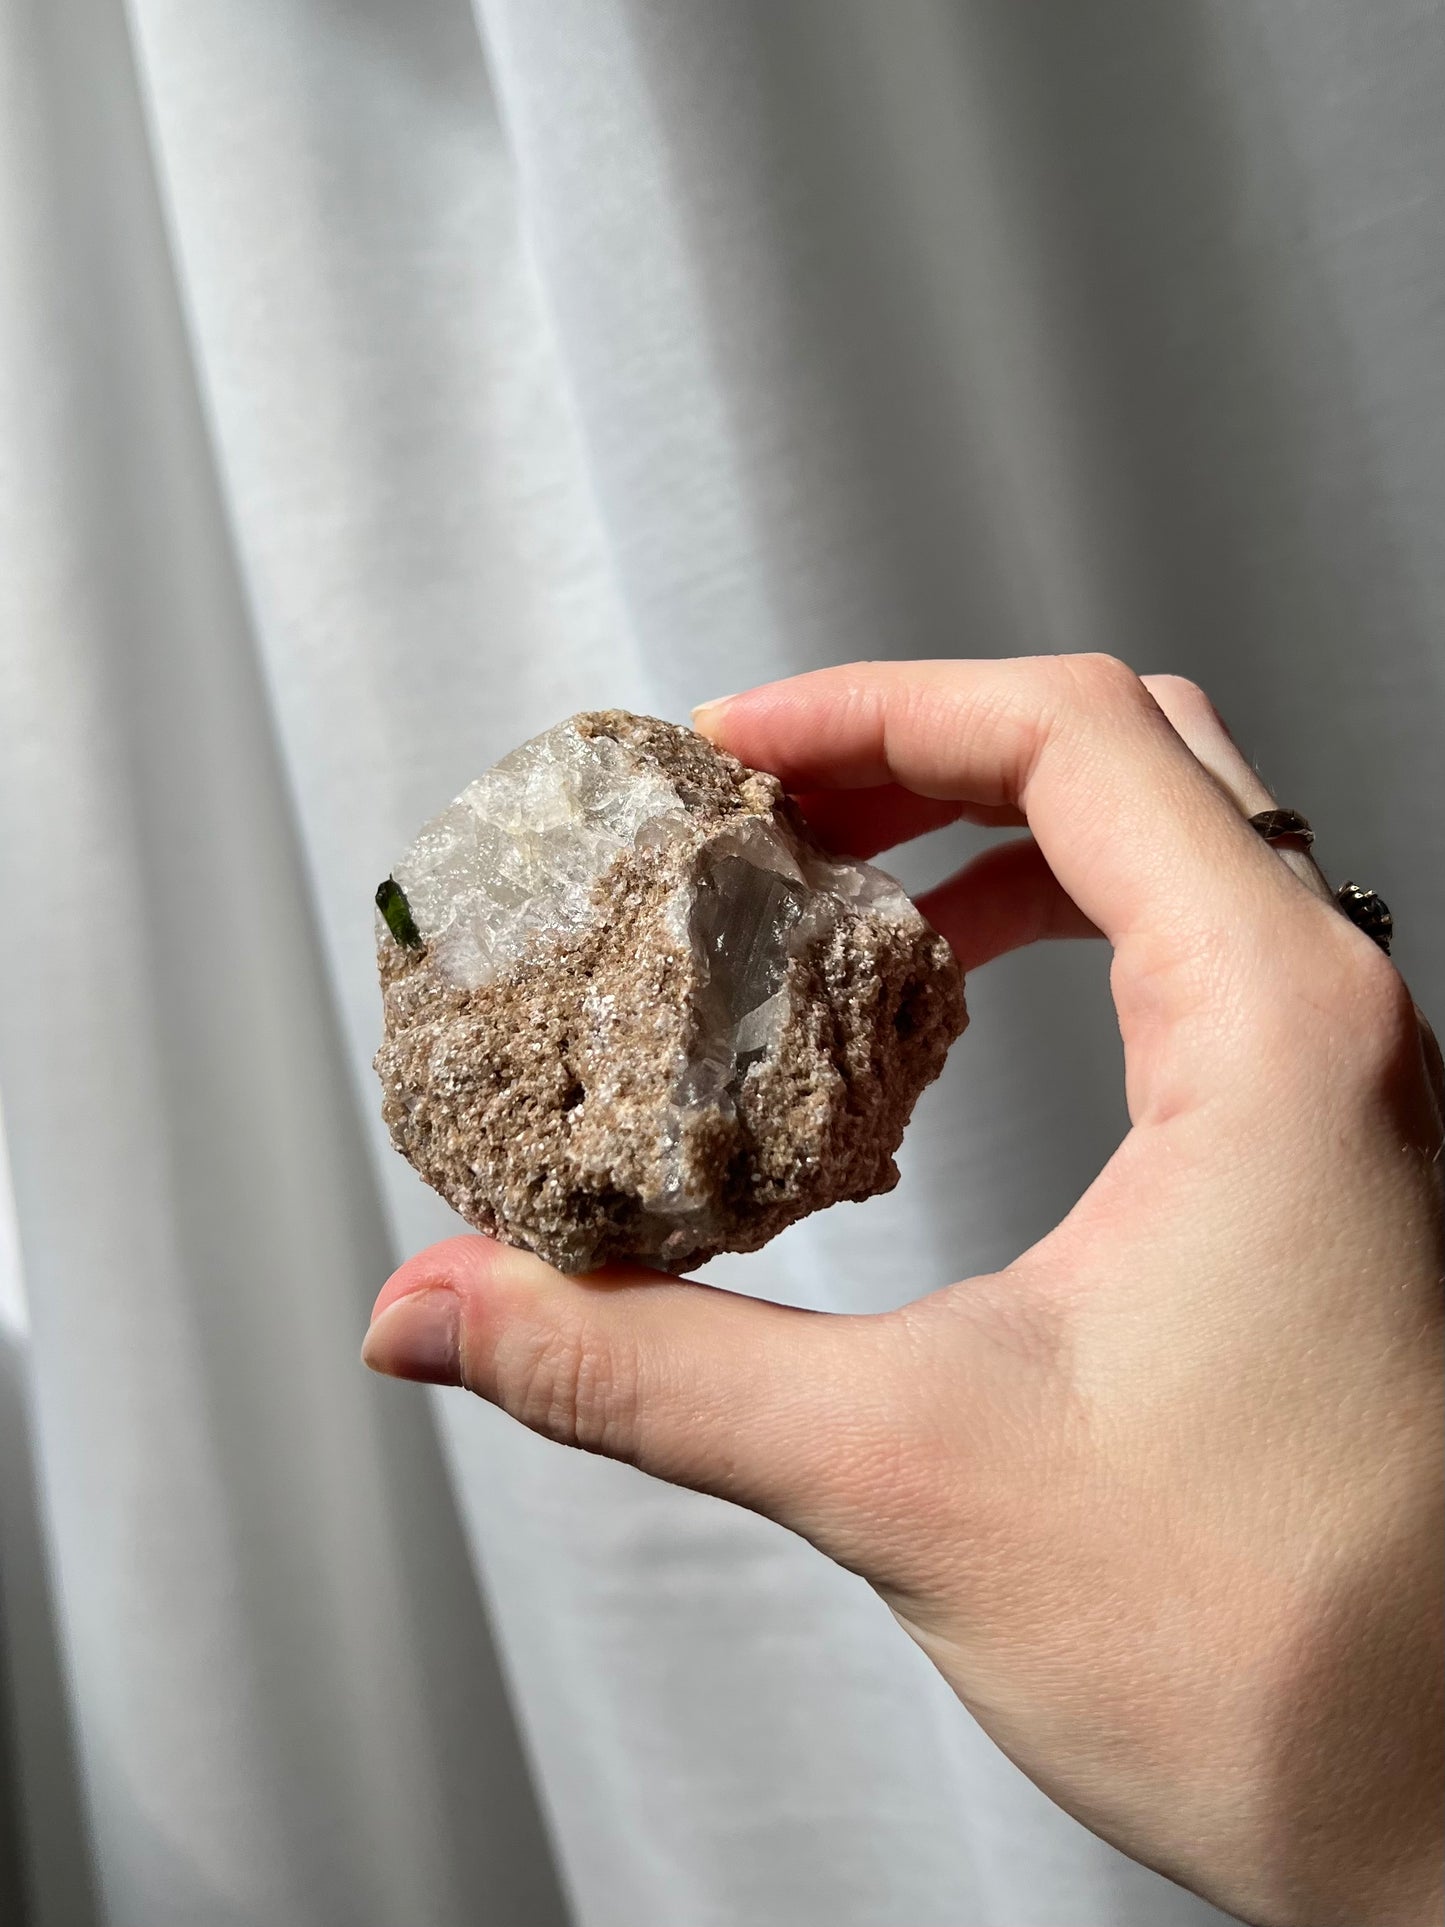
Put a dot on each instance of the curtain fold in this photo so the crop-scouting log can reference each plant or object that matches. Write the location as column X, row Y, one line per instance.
column 381, row 382
column 284, row 1700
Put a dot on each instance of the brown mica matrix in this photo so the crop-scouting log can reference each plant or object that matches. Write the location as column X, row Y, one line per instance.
column 633, row 1011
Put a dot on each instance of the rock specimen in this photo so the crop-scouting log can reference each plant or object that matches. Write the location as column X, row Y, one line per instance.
column 632, row 1011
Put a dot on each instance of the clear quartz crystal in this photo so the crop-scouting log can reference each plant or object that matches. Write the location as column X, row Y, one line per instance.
column 742, row 918
column 515, row 858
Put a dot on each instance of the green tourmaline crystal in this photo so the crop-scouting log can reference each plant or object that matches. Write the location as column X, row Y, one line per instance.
column 391, row 902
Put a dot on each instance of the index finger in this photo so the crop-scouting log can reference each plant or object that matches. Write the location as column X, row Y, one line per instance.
column 1140, row 835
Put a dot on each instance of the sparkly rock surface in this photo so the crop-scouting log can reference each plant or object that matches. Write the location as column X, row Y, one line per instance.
column 632, row 1011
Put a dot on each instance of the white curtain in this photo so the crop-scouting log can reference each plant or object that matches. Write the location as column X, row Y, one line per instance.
column 379, row 384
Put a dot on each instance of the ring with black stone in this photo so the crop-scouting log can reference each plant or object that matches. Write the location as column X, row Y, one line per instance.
column 1283, row 826
column 1366, row 909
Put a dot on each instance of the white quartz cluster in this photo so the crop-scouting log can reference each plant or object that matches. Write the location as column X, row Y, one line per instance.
column 514, row 863
column 514, row 860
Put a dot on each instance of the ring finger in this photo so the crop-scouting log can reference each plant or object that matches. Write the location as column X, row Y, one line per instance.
column 1197, row 722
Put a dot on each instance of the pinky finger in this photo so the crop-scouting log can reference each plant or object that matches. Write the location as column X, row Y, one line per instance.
column 1002, row 900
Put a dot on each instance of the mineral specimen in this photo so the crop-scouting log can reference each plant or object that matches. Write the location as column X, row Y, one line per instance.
column 632, row 1011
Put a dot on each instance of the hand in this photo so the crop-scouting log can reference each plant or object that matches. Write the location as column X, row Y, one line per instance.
column 1162, row 1499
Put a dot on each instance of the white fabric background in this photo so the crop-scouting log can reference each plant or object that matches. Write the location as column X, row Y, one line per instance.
column 377, row 385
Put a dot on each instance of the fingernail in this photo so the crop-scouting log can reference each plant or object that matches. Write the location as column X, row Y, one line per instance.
column 709, row 712
column 418, row 1337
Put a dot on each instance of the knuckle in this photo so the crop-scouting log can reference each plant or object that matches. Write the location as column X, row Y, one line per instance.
column 1376, row 997
column 1366, row 1002
column 1182, row 699
column 1101, row 679
column 565, row 1385
column 1358, row 974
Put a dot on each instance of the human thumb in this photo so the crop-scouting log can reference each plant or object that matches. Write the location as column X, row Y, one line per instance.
column 792, row 1413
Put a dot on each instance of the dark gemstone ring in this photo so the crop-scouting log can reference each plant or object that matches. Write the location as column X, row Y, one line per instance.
column 1283, row 826
column 1366, row 909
